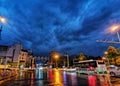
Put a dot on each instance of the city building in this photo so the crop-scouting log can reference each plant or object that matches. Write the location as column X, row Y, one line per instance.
column 15, row 56
column 25, row 59
column 3, row 53
column 9, row 53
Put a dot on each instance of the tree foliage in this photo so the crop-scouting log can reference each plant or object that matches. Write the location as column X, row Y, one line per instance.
column 118, row 60
column 112, row 52
column 81, row 57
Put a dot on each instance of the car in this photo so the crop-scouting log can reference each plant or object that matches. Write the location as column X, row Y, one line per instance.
column 113, row 70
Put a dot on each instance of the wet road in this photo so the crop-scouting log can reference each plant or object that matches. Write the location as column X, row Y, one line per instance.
column 55, row 77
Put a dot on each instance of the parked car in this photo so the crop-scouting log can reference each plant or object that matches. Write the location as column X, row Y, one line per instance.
column 113, row 70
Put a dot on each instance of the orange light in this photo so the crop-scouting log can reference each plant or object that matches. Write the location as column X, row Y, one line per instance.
column 57, row 77
column 103, row 58
column 56, row 56
column 106, row 53
column 114, row 28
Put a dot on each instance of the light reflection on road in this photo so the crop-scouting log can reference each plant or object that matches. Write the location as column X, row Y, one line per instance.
column 73, row 79
column 105, row 80
column 92, row 80
column 54, row 77
column 32, row 80
column 39, row 74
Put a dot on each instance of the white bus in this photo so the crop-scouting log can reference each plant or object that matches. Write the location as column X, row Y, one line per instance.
column 91, row 67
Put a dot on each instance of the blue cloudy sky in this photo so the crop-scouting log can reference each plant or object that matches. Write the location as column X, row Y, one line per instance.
column 71, row 26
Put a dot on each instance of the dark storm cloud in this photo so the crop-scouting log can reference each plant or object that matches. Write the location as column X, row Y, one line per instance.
column 71, row 26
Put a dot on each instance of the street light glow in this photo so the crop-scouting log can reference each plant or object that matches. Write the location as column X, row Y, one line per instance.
column 103, row 58
column 114, row 28
column 56, row 56
column 105, row 52
column 2, row 19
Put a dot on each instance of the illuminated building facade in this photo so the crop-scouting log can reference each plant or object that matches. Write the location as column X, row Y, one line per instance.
column 25, row 58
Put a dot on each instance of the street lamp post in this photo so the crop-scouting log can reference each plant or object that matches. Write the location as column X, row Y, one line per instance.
column 115, row 28
column 2, row 20
column 118, row 36
column 67, row 60
column 112, row 29
column 0, row 32
column 56, row 58
column 108, row 62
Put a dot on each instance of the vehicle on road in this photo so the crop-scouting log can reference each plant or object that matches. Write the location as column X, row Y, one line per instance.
column 113, row 70
column 91, row 67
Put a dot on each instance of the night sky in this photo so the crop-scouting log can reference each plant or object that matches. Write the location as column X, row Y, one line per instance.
column 65, row 26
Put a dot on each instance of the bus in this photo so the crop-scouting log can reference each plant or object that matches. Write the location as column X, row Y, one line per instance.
column 91, row 67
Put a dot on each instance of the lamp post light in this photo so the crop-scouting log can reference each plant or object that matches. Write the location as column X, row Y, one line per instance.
column 105, row 58
column 115, row 28
column 2, row 20
column 56, row 57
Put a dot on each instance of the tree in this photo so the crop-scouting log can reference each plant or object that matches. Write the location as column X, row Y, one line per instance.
column 118, row 50
column 81, row 57
column 111, row 54
column 118, row 60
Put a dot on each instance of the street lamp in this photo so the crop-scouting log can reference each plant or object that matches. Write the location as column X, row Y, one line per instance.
column 2, row 20
column 108, row 64
column 105, row 58
column 56, row 57
column 115, row 28
column 67, row 60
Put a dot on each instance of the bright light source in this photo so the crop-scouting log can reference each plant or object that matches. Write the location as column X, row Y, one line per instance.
column 105, row 52
column 2, row 19
column 114, row 28
column 56, row 56
column 103, row 58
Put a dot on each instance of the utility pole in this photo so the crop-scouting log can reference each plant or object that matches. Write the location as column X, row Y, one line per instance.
column 0, row 32
column 2, row 20
column 118, row 36
column 67, row 60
